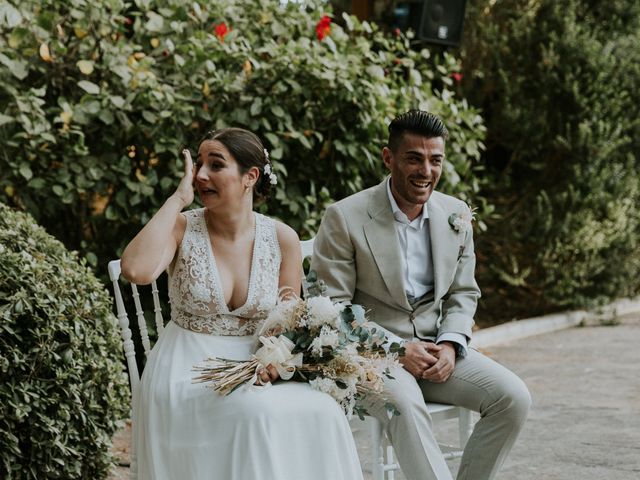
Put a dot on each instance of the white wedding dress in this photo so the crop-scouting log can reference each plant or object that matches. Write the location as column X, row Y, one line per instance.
column 185, row 431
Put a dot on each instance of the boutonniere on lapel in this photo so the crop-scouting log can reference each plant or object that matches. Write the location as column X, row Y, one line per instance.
column 461, row 222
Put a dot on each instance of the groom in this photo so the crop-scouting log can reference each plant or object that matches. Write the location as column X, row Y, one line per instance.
column 405, row 252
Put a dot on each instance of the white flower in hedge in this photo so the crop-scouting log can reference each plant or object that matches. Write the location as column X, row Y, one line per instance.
column 328, row 337
column 321, row 310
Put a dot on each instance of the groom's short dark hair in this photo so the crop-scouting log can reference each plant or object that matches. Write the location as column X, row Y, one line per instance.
column 415, row 121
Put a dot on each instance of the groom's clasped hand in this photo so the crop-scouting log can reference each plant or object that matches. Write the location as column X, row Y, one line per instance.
column 429, row 361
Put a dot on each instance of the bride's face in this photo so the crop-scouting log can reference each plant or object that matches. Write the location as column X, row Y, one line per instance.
column 218, row 178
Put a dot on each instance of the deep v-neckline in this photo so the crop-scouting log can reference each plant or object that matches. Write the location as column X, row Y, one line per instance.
column 216, row 275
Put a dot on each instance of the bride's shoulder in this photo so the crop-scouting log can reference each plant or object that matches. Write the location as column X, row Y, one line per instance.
column 287, row 237
column 285, row 232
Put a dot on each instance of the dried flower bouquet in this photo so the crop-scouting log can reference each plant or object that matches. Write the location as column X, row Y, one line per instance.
column 329, row 345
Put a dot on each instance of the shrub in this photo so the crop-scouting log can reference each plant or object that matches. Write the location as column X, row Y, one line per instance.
column 63, row 388
column 97, row 99
column 558, row 82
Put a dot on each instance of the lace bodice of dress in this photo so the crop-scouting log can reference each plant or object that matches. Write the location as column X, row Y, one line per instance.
column 195, row 291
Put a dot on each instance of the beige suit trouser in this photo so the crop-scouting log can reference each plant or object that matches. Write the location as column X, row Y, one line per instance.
column 478, row 384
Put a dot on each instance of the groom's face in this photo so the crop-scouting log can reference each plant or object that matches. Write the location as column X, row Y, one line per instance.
column 416, row 166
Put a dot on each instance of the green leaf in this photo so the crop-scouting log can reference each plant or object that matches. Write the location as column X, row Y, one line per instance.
column 305, row 141
column 340, row 384
column 9, row 15
column 155, row 22
column 89, row 87
column 92, row 107
column 392, row 409
column 149, row 116
column 331, row 44
column 26, row 172
column 117, row 101
column 92, row 259
column 312, row 276
column 276, row 153
column 416, row 78
column 273, row 138
column 20, row 70
column 358, row 313
column 110, row 213
column 85, row 66
column 375, row 71
column 107, row 117
column 395, row 347
column 37, row 183
column 256, row 107
column 348, row 21
column 6, row 119
column 277, row 111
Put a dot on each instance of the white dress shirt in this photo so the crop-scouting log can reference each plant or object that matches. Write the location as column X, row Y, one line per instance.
column 417, row 264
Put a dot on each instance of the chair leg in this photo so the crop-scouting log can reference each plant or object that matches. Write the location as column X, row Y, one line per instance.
column 383, row 462
column 391, row 474
column 465, row 426
column 377, row 454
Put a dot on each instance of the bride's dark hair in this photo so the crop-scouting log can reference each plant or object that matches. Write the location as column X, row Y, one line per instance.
column 248, row 150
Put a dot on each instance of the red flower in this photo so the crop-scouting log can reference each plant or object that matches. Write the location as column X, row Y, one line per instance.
column 457, row 77
column 323, row 28
column 221, row 31
column 397, row 32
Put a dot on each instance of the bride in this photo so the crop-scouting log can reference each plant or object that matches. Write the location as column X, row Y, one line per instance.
column 226, row 264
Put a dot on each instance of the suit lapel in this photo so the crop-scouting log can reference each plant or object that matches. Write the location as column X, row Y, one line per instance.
column 383, row 242
column 444, row 245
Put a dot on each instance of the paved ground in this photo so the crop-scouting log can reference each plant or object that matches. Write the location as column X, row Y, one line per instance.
column 585, row 421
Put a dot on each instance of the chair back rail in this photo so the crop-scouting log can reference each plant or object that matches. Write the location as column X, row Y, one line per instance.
column 125, row 331
column 142, row 323
column 306, row 247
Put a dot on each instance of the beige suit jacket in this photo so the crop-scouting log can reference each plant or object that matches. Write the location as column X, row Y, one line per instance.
column 357, row 254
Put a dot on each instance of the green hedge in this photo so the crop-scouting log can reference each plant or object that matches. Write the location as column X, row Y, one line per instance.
column 558, row 82
column 98, row 98
column 63, row 388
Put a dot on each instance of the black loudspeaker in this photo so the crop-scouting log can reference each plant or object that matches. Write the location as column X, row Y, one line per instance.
column 434, row 21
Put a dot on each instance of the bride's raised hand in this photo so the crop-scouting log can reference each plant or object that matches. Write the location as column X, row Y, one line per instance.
column 185, row 188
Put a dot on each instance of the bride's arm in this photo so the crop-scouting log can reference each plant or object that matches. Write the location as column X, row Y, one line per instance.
column 290, row 279
column 153, row 248
column 290, row 266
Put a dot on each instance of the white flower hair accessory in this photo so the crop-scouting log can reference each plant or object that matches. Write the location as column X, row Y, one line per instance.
column 273, row 179
column 461, row 222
